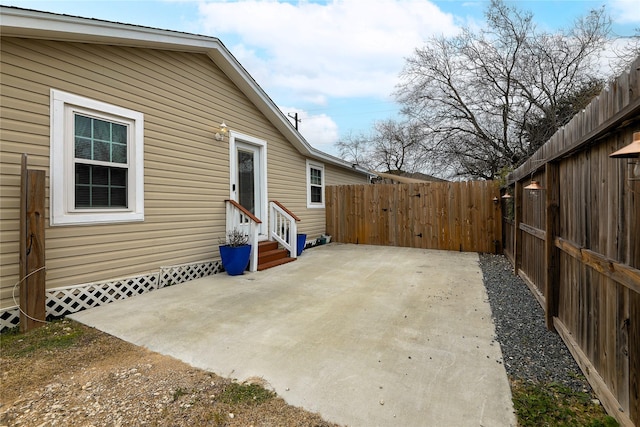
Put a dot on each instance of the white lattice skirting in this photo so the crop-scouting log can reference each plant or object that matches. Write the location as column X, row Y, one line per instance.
column 71, row 299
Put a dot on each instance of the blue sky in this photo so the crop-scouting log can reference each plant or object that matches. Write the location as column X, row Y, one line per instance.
column 335, row 62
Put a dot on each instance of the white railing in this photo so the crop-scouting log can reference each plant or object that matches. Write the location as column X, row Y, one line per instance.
column 283, row 227
column 238, row 218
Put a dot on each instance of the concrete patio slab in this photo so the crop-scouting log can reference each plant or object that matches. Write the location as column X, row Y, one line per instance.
column 363, row 335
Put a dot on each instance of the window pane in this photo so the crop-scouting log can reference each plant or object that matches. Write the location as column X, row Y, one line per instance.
column 83, row 148
column 119, row 153
column 119, row 197
column 119, row 133
column 99, row 197
column 316, row 194
column 83, row 174
column 246, row 180
column 99, row 175
column 101, row 151
column 101, row 130
column 118, row 177
column 316, row 176
column 82, row 197
column 83, row 126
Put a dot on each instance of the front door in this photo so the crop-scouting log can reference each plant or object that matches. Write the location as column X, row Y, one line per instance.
column 248, row 178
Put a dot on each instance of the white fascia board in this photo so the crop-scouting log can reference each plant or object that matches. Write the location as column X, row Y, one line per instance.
column 35, row 24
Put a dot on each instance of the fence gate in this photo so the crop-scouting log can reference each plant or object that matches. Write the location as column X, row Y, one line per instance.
column 459, row 216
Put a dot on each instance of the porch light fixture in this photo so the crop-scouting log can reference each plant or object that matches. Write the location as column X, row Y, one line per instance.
column 534, row 186
column 630, row 151
column 222, row 131
column 496, row 200
column 506, row 195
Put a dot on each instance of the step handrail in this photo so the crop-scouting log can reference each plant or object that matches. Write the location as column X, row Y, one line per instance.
column 239, row 217
column 283, row 227
column 284, row 208
column 244, row 211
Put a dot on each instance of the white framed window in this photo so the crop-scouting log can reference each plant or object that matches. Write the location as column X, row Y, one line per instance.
column 96, row 166
column 315, row 185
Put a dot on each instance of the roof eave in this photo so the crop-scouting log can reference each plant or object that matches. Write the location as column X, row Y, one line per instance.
column 35, row 24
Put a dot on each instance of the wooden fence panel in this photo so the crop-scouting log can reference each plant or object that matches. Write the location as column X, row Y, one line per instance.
column 460, row 216
column 582, row 261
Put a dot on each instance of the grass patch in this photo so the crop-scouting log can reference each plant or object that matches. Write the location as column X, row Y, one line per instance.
column 552, row 404
column 236, row 393
column 178, row 394
column 58, row 334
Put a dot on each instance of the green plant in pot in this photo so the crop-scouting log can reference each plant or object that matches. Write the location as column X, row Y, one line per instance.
column 235, row 252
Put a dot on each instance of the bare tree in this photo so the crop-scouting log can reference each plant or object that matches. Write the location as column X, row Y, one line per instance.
column 391, row 147
column 478, row 95
column 398, row 146
column 626, row 52
column 356, row 148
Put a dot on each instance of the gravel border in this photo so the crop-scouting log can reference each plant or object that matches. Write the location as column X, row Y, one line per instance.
column 530, row 352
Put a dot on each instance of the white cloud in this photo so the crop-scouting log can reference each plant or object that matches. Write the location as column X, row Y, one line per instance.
column 319, row 130
column 626, row 11
column 309, row 51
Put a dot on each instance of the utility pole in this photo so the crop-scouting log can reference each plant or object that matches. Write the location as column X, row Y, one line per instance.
column 295, row 117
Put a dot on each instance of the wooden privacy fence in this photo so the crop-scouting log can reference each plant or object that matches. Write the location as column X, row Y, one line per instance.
column 459, row 216
column 576, row 242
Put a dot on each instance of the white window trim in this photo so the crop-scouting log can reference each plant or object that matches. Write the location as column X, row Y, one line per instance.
column 320, row 166
column 61, row 198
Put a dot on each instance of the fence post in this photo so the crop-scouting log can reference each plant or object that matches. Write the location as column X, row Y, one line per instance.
column 497, row 230
column 32, row 275
column 517, row 234
column 551, row 252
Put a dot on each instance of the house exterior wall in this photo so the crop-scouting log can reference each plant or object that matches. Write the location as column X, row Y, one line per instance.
column 186, row 171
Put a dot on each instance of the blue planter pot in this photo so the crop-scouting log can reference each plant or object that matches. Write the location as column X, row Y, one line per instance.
column 302, row 239
column 235, row 259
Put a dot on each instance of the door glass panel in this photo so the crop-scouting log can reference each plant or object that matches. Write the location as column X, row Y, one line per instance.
column 246, row 180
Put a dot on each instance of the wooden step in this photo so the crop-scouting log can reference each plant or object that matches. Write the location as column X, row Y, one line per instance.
column 271, row 255
column 267, row 246
column 275, row 263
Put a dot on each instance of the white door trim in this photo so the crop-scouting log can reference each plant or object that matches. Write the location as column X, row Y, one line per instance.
column 236, row 138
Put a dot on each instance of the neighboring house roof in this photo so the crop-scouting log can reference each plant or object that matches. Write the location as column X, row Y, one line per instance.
column 408, row 178
column 26, row 23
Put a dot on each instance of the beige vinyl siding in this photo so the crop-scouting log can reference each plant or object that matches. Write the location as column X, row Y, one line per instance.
column 183, row 97
column 22, row 128
column 186, row 171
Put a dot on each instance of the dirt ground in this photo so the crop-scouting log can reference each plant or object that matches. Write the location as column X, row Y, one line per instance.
column 66, row 374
